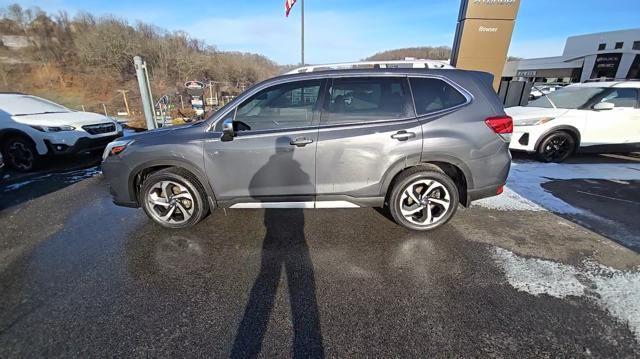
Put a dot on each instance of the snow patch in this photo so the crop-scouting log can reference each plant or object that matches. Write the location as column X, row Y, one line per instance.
column 537, row 276
column 525, row 178
column 616, row 291
column 508, row 201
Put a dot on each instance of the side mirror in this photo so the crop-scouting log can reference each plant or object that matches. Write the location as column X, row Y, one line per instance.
column 604, row 106
column 227, row 130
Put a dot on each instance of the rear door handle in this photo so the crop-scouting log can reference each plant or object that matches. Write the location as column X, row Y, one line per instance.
column 301, row 142
column 403, row 135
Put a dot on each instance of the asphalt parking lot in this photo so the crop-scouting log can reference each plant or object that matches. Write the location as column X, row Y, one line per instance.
column 519, row 276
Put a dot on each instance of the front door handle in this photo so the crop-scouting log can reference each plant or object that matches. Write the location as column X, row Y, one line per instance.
column 301, row 142
column 403, row 135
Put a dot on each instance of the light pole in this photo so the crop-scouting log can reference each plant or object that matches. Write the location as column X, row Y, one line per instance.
column 302, row 28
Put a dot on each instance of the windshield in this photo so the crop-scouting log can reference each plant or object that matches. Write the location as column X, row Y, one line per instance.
column 568, row 97
column 18, row 105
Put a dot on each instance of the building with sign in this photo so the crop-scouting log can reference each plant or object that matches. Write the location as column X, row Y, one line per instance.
column 614, row 55
column 483, row 35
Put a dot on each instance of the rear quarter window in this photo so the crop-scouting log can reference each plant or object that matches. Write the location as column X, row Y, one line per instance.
column 431, row 95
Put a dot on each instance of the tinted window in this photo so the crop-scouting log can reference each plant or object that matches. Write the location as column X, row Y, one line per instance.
column 636, row 45
column 366, row 99
column 619, row 45
column 602, row 47
column 282, row 106
column 622, row 97
column 432, row 95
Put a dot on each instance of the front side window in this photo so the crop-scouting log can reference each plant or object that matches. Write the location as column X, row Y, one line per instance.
column 353, row 100
column 619, row 45
column 622, row 97
column 602, row 47
column 282, row 106
column 431, row 95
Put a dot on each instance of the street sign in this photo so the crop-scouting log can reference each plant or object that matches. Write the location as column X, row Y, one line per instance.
column 194, row 85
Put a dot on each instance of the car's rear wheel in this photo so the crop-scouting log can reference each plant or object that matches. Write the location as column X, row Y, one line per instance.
column 556, row 147
column 423, row 199
column 174, row 198
column 20, row 153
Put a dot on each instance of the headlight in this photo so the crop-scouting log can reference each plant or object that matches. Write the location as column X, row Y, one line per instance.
column 115, row 147
column 54, row 128
column 532, row 121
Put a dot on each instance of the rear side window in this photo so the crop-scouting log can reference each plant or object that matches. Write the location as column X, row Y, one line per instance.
column 431, row 95
column 353, row 100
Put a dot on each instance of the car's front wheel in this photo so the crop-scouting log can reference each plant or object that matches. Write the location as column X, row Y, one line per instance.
column 556, row 147
column 423, row 199
column 20, row 153
column 174, row 198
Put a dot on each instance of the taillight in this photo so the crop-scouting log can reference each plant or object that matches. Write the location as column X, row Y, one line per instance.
column 501, row 125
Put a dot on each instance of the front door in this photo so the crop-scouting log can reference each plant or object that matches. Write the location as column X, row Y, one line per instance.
column 272, row 156
column 619, row 126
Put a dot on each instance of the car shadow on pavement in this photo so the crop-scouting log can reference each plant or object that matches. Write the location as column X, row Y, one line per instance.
column 284, row 247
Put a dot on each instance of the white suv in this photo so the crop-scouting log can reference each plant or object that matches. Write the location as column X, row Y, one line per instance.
column 32, row 127
column 596, row 117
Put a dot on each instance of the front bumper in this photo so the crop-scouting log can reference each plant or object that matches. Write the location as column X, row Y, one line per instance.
column 117, row 175
column 84, row 144
column 524, row 138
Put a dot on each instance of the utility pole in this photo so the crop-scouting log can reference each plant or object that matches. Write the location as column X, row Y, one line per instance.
column 211, row 93
column 124, row 97
column 143, row 84
column 302, row 42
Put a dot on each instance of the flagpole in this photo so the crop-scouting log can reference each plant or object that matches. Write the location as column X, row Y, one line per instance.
column 302, row 37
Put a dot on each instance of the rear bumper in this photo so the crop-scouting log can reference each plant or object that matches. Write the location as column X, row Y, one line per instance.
column 486, row 192
column 84, row 144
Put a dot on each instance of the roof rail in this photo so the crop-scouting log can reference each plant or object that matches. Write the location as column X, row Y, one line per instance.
column 392, row 64
column 11, row 93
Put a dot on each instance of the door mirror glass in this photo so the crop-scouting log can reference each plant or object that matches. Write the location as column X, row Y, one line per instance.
column 227, row 130
column 604, row 106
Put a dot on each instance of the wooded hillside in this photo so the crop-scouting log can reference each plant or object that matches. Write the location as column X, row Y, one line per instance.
column 82, row 60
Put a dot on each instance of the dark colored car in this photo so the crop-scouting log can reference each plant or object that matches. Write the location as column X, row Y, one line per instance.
column 416, row 141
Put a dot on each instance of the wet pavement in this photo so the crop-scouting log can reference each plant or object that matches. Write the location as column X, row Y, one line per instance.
column 82, row 277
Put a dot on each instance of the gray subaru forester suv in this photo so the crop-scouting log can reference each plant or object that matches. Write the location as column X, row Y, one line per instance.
column 416, row 141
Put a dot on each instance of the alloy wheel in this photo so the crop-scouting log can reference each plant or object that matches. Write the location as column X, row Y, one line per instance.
column 425, row 202
column 170, row 202
column 557, row 148
column 20, row 155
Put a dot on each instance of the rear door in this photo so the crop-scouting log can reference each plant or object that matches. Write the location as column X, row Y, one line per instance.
column 620, row 126
column 367, row 126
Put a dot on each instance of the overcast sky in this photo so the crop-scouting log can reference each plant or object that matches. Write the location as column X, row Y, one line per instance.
column 351, row 30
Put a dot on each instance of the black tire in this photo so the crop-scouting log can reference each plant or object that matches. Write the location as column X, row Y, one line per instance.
column 20, row 153
column 199, row 203
column 556, row 147
column 442, row 213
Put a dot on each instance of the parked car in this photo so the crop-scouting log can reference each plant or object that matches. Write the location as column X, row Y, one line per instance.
column 32, row 127
column 539, row 91
column 419, row 141
column 597, row 117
